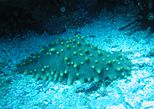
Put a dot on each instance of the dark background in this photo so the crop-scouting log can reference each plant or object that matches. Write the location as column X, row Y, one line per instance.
column 55, row 16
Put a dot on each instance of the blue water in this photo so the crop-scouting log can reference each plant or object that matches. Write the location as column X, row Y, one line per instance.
column 18, row 91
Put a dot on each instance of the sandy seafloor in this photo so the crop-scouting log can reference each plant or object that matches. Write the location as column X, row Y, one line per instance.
column 19, row 91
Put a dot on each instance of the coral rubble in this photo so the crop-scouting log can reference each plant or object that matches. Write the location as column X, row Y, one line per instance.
column 75, row 59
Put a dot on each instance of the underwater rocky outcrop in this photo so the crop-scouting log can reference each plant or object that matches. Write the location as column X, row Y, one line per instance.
column 75, row 59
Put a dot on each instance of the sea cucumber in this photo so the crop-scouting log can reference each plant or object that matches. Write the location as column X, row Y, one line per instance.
column 75, row 59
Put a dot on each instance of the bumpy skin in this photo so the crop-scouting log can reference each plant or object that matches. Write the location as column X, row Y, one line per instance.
column 75, row 59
